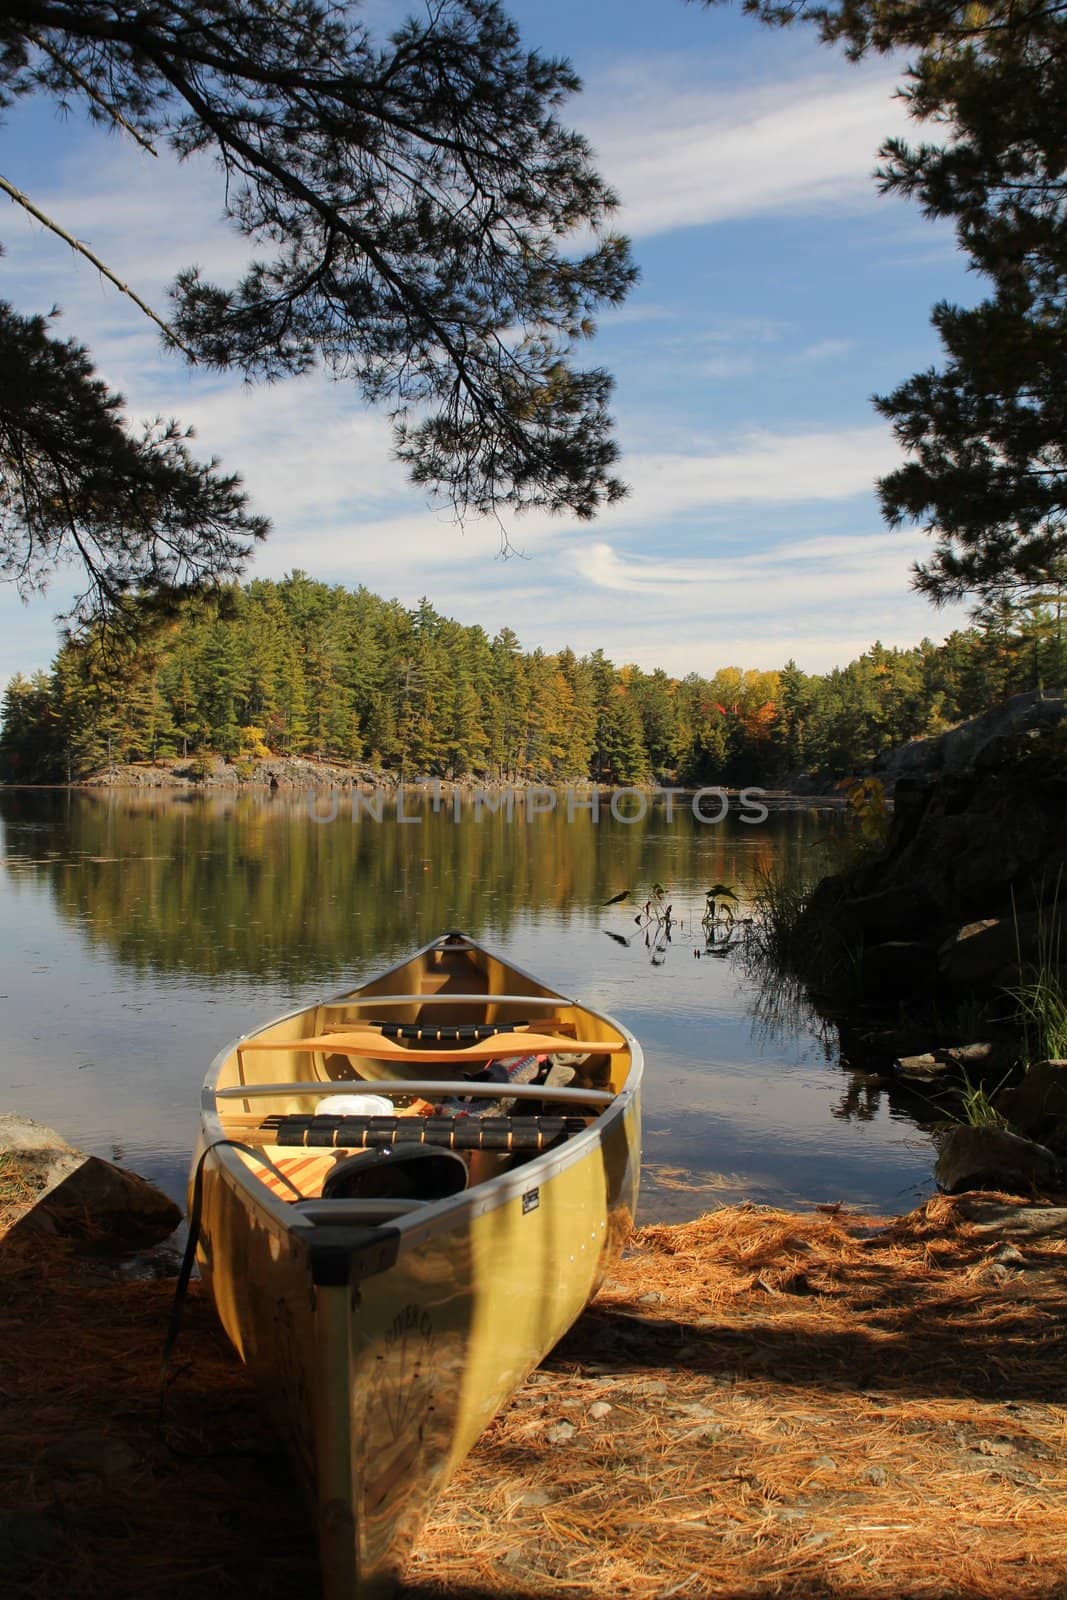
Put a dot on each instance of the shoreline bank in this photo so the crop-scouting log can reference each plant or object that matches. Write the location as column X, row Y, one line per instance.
column 300, row 774
column 757, row 1403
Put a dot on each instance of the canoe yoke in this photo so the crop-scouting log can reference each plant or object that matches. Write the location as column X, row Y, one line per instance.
column 367, row 1041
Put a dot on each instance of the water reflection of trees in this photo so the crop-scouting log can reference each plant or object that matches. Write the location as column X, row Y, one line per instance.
column 244, row 884
column 861, row 1099
column 781, row 1007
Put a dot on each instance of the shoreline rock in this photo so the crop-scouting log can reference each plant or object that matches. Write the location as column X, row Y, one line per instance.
column 82, row 1198
column 964, row 888
column 922, row 953
column 970, row 743
column 989, row 1158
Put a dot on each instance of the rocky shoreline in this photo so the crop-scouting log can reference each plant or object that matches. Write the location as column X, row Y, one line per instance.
column 213, row 772
column 940, row 955
column 188, row 775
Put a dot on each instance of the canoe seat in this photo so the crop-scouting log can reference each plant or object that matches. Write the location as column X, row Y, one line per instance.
column 401, row 1171
column 441, row 1033
column 407, row 1171
column 379, row 1186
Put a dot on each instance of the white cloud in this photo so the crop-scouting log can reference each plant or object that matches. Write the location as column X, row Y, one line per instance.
column 789, row 570
column 682, row 156
column 823, row 609
column 366, row 522
column 825, row 350
column 760, row 467
column 144, row 218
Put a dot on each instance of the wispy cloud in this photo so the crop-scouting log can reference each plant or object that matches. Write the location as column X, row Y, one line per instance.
column 386, row 525
column 824, row 350
column 681, row 154
column 860, row 564
column 760, row 467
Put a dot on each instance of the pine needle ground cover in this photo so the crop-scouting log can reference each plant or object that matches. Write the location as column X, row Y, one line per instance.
column 758, row 1404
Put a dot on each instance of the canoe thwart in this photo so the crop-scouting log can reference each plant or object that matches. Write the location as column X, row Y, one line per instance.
column 420, row 1088
column 446, row 997
column 454, row 1133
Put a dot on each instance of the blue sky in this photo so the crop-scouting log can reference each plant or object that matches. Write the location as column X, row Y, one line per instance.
column 779, row 290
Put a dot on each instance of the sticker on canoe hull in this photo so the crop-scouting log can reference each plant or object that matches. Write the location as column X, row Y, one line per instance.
column 530, row 1201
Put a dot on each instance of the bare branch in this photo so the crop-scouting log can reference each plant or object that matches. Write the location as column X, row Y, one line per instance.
column 27, row 204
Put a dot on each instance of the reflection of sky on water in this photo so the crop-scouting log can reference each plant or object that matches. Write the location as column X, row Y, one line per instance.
column 136, row 940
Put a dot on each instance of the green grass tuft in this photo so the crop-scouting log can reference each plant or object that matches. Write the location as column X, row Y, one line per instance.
column 1041, row 997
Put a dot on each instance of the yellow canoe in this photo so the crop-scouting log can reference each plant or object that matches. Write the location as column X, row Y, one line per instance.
column 391, row 1276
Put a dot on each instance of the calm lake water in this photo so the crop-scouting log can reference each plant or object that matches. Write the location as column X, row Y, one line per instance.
column 139, row 934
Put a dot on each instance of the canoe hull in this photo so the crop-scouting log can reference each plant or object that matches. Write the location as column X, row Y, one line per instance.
column 383, row 1353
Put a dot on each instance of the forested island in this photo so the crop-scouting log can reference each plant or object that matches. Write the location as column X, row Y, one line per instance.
column 303, row 668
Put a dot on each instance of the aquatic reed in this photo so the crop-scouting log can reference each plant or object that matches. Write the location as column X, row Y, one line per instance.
column 1041, row 994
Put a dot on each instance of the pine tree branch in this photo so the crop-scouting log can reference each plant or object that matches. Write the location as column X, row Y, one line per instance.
column 92, row 94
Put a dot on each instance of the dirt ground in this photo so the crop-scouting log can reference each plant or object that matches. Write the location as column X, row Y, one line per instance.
column 759, row 1404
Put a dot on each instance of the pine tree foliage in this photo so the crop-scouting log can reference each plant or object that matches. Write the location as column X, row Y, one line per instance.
column 986, row 433
column 411, row 210
column 136, row 511
column 300, row 668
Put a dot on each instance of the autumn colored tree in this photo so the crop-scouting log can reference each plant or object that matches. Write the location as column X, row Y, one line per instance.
column 300, row 667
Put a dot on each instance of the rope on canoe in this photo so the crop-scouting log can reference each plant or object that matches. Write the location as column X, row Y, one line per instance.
column 196, row 1209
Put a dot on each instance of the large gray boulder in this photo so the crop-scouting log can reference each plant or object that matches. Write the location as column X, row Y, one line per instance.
column 992, row 1158
column 1037, row 1105
column 962, row 747
column 82, row 1197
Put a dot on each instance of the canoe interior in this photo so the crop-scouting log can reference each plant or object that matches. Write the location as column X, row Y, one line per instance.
column 440, row 992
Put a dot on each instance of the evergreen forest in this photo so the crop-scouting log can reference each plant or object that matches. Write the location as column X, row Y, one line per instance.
column 302, row 668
